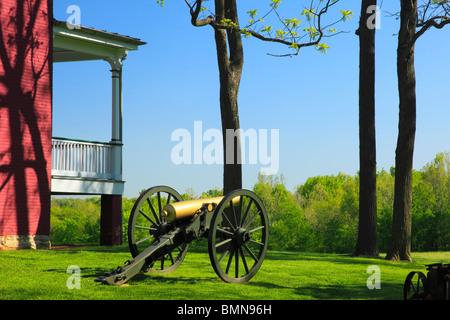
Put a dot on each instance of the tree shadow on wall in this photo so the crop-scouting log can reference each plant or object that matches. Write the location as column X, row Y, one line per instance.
column 25, row 77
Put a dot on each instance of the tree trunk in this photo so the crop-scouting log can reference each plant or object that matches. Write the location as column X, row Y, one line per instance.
column 230, row 70
column 400, row 244
column 367, row 243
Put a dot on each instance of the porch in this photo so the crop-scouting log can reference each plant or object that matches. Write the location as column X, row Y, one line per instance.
column 86, row 167
column 82, row 167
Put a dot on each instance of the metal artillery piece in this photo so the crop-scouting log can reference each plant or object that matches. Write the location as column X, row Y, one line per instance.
column 434, row 286
column 162, row 225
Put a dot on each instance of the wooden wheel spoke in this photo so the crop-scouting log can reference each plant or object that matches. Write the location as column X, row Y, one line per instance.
column 230, row 259
column 224, row 231
column 153, row 211
column 234, row 215
column 236, row 263
column 257, row 242
column 225, row 253
column 252, row 219
column 145, row 239
column 147, row 217
column 222, row 243
column 251, row 253
column 146, row 228
column 241, row 199
column 247, row 210
column 256, row 229
column 228, row 221
column 413, row 287
column 159, row 205
column 244, row 261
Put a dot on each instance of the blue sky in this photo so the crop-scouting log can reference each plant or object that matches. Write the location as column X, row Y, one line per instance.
column 312, row 98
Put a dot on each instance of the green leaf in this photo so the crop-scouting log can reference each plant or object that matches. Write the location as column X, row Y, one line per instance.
column 346, row 14
column 322, row 47
column 308, row 13
column 252, row 13
column 281, row 34
column 245, row 32
column 275, row 3
column 267, row 29
column 293, row 23
column 229, row 23
column 313, row 33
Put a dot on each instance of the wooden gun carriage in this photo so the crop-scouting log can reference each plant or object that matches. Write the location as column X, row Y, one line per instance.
column 434, row 286
column 161, row 227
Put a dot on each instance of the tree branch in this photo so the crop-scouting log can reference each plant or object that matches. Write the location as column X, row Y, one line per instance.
column 195, row 11
column 431, row 23
column 234, row 36
column 220, row 36
column 428, row 16
column 234, row 31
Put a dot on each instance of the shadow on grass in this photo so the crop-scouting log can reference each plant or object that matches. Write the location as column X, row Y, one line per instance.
column 340, row 292
column 324, row 291
column 171, row 280
column 338, row 258
column 92, row 248
column 86, row 272
column 346, row 292
column 267, row 285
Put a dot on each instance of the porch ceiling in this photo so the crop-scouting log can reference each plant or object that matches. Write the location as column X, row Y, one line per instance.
column 67, row 55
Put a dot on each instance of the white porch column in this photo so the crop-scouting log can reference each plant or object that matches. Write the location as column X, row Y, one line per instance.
column 116, row 134
column 116, row 124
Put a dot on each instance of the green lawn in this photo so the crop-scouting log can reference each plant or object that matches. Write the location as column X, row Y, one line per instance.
column 42, row 274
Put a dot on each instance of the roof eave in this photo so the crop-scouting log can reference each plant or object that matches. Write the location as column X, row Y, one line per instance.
column 100, row 34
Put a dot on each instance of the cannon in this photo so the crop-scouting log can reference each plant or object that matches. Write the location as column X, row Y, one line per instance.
column 162, row 225
column 434, row 286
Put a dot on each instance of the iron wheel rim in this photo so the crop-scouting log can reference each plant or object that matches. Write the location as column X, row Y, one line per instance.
column 238, row 237
column 146, row 217
column 414, row 287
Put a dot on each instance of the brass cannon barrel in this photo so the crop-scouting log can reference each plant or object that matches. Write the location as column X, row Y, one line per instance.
column 185, row 209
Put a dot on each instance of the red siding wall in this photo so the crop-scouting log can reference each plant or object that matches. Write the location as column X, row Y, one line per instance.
column 25, row 116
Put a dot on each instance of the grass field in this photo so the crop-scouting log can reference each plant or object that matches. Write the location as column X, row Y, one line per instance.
column 42, row 275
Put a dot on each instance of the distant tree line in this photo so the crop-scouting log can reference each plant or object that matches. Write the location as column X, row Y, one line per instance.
column 320, row 215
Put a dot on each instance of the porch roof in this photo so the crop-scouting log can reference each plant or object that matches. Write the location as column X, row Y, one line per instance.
column 83, row 43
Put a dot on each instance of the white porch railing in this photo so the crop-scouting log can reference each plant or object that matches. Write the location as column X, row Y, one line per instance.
column 84, row 159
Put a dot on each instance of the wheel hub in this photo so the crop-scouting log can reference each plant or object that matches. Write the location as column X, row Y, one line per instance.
column 242, row 236
column 163, row 228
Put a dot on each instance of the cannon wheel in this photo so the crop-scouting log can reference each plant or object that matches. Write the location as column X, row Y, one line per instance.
column 414, row 287
column 238, row 237
column 146, row 219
